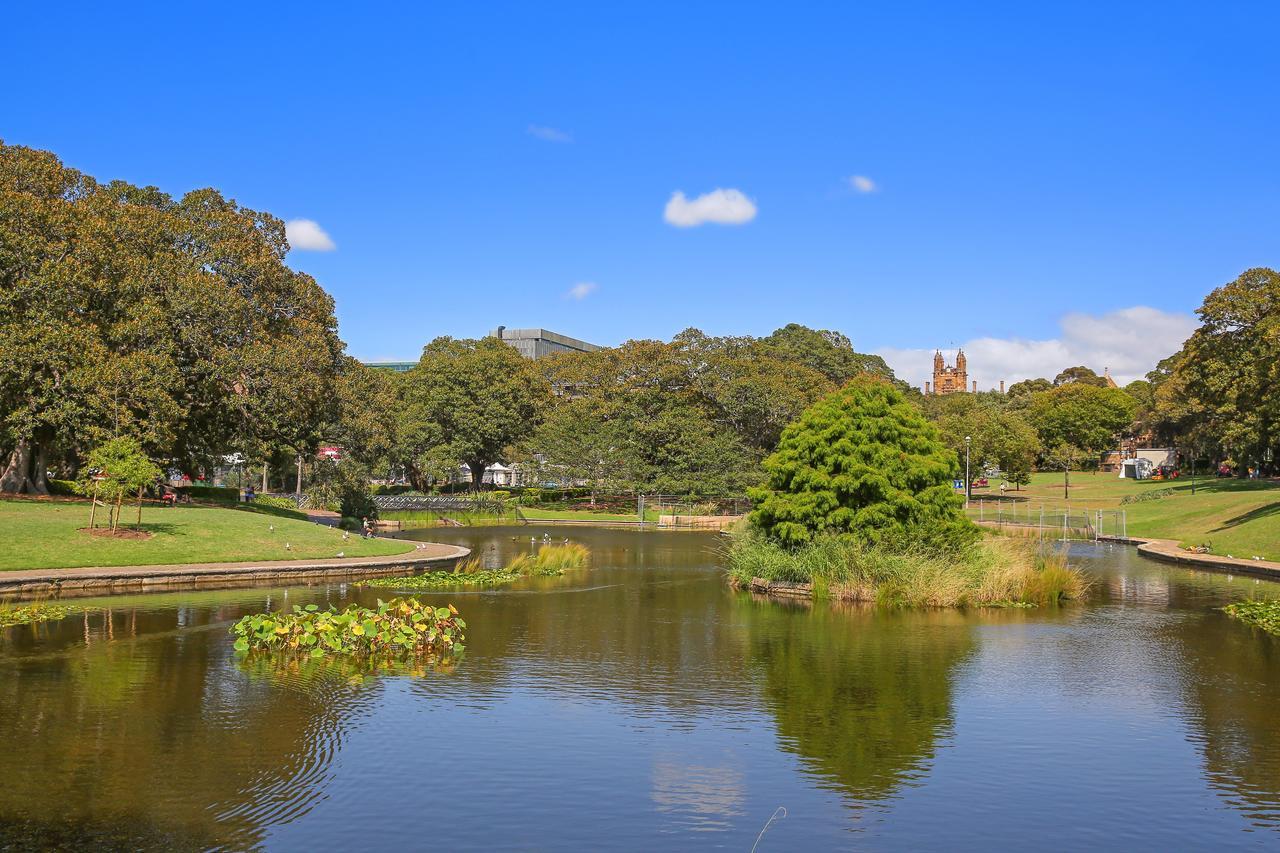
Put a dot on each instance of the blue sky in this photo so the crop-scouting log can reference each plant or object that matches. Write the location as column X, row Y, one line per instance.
column 1033, row 170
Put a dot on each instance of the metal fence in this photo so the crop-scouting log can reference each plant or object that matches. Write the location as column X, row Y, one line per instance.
column 1049, row 522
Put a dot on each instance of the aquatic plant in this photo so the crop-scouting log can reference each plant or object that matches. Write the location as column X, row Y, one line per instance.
column 551, row 560
column 991, row 572
column 547, row 561
column 29, row 614
column 398, row 626
column 1260, row 614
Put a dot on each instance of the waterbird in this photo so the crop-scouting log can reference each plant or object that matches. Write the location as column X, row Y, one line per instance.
column 271, row 527
column 288, row 547
column 342, row 553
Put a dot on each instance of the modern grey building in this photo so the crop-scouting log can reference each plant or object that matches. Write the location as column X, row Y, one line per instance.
column 536, row 343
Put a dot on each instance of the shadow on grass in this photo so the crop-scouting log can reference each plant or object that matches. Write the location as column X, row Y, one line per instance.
column 1264, row 511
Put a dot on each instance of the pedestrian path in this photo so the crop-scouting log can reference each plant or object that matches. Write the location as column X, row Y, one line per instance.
column 96, row 580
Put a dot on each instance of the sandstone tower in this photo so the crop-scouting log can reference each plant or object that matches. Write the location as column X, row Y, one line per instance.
column 949, row 380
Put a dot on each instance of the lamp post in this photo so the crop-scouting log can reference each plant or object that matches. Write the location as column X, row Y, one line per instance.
column 968, row 483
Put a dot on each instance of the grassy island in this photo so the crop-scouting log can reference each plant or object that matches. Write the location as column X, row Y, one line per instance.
column 993, row 572
column 858, row 505
column 49, row 535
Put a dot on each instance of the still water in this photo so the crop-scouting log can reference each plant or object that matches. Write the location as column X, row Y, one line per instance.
column 642, row 704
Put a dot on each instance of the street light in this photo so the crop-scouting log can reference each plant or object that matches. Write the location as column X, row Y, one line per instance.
column 968, row 483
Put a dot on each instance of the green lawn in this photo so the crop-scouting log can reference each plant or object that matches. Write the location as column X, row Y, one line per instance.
column 533, row 514
column 43, row 535
column 1236, row 517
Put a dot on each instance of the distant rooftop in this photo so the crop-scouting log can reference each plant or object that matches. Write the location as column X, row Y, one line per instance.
column 536, row 343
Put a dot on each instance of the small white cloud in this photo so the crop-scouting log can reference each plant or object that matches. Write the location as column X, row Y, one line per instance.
column 581, row 290
column 308, row 236
column 548, row 134
column 1129, row 341
column 723, row 207
column 862, row 184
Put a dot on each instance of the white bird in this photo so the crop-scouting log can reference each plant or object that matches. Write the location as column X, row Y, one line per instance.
column 271, row 527
column 342, row 553
column 288, row 547
column 1229, row 557
column 345, row 535
column 1256, row 557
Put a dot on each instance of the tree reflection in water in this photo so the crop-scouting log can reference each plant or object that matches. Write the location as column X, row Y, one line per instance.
column 151, row 737
column 862, row 696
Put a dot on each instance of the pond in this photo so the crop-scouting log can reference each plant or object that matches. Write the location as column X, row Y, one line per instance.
column 643, row 704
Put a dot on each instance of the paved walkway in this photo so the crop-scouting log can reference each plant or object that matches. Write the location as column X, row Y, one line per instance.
column 100, row 579
column 1169, row 551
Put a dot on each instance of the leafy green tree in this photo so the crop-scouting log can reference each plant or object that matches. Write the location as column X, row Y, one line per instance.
column 1081, row 374
column 865, row 463
column 829, row 353
column 579, row 440
column 473, row 399
column 1225, row 382
column 1081, row 415
column 996, row 436
column 1029, row 386
column 117, row 469
column 125, row 312
column 342, row 485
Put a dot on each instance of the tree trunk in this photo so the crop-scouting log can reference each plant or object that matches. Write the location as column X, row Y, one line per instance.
column 477, row 474
column 40, row 470
column 115, row 521
column 297, row 489
column 138, row 526
column 264, row 478
column 14, row 478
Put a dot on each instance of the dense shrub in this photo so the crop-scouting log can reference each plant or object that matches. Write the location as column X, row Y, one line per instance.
column 212, row 494
column 275, row 502
column 863, row 462
column 62, row 487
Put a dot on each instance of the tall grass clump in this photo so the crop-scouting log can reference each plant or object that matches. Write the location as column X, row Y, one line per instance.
column 990, row 572
column 551, row 560
column 546, row 561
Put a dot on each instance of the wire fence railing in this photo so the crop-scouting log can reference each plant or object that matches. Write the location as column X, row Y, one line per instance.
column 1051, row 522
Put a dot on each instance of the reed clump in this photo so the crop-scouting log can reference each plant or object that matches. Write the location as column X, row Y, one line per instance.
column 992, row 572
column 546, row 561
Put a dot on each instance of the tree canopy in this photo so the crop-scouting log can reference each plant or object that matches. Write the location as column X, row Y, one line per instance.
column 469, row 401
column 125, row 312
column 862, row 462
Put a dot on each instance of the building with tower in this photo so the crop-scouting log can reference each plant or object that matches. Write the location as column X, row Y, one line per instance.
column 947, row 379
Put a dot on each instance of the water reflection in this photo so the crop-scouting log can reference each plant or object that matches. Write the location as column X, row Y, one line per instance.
column 864, row 697
column 141, row 730
column 642, row 703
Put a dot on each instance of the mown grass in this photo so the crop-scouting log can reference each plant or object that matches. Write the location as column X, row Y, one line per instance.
column 1232, row 516
column 47, row 535
column 996, row 571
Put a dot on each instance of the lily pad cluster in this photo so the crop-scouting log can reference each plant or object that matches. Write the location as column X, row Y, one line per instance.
column 29, row 614
column 1260, row 614
column 396, row 627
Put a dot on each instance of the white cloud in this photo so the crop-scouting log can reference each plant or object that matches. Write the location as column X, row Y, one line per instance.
column 548, row 134
column 723, row 207
column 581, row 290
column 862, row 184
column 1129, row 341
column 308, row 236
